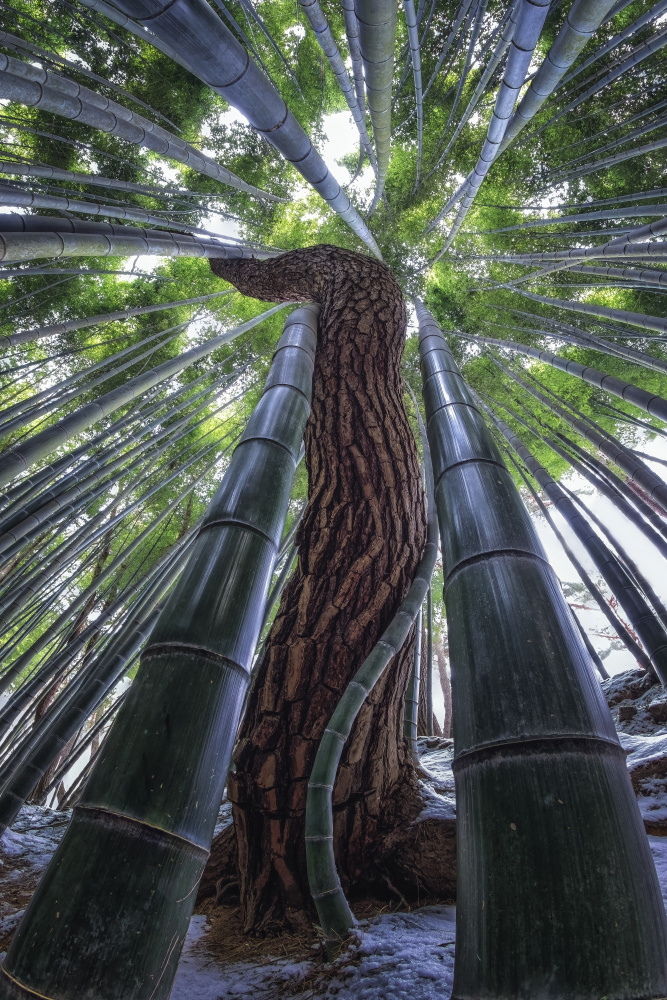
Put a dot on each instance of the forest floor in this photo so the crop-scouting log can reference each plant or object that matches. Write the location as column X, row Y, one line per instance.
column 397, row 952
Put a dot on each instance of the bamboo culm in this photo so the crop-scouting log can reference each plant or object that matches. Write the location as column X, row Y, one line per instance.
column 529, row 717
column 641, row 617
column 203, row 642
column 377, row 22
column 220, row 61
column 22, row 456
column 647, row 401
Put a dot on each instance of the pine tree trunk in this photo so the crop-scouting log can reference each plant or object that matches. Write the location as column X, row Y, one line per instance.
column 359, row 545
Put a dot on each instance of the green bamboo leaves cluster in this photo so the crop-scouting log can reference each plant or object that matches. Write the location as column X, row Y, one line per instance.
column 153, row 796
column 537, row 764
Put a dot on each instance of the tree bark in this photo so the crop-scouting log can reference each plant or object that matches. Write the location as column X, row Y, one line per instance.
column 359, row 543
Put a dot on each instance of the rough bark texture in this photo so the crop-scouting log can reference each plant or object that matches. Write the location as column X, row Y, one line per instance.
column 359, row 544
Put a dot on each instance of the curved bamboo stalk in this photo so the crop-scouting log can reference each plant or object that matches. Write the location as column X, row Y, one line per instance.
column 222, row 63
column 377, row 21
column 529, row 716
column 641, row 617
column 336, row 918
column 410, row 721
column 19, row 44
column 38, row 88
column 530, row 19
column 583, row 20
column 320, row 26
column 39, row 333
column 22, row 456
column 612, row 449
column 203, row 641
column 647, row 401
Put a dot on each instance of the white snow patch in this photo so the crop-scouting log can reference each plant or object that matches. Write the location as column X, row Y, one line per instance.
column 438, row 793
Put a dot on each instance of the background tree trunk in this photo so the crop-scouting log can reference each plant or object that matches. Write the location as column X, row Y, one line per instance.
column 445, row 684
column 359, row 545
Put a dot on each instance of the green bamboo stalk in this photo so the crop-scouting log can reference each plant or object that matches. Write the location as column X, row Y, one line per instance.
column 352, row 33
column 66, row 203
column 136, row 29
column 217, row 58
column 653, row 14
column 415, row 57
column 641, row 617
column 60, row 661
column 81, row 747
column 643, row 660
column 474, row 35
column 491, row 67
column 656, row 323
column 613, row 489
column 629, row 212
column 18, row 246
column 647, row 401
column 38, row 88
column 336, row 918
column 410, row 721
column 12, row 41
column 22, row 456
column 80, row 699
column 40, row 333
column 539, row 773
column 456, row 24
column 635, row 58
column 530, row 19
column 320, row 26
column 429, row 662
column 20, row 169
column 159, row 835
column 583, row 20
column 377, row 22
column 619, row 455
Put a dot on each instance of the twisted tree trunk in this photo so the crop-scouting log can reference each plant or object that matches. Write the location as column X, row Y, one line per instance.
column 359, row 545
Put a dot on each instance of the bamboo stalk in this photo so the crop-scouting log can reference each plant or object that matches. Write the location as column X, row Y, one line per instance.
column 22, row 456
column 377, row 22
column 641, row 617
column 217, row 58
column 541, row 782
column 410, row 722
column 159, row 833
column 647, row 401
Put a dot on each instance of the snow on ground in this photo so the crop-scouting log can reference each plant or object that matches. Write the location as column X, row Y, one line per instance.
column 405, row 955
